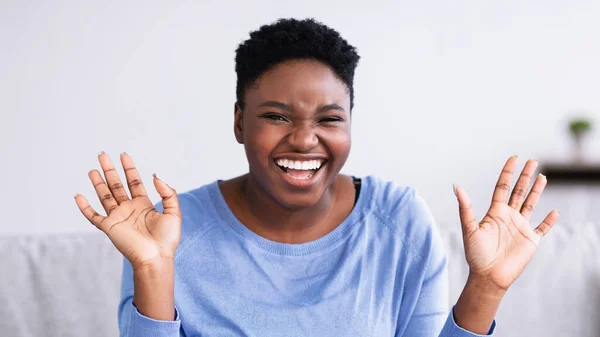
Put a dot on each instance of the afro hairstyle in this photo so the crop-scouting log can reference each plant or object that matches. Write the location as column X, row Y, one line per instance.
column 289, row 39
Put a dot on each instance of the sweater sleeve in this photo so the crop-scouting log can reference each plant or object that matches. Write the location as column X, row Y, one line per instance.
column 429, row 316
column 431, row 307
column 134, row 324
column 450, row 329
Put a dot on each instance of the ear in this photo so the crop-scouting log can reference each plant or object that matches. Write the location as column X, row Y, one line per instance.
column 238, row 125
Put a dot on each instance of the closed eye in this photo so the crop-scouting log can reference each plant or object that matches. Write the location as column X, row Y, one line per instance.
column 330, row 120
column 275, row 117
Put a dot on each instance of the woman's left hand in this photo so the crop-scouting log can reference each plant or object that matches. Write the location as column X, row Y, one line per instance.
column 499, row 247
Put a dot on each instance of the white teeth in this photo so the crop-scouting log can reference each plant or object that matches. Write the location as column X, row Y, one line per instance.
column 300, row 165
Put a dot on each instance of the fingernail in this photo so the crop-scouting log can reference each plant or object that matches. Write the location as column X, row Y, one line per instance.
column 542, row 176
column 155, row 176
column 101, row 152
column 124, row 154
column 557, row 211
column 454, row 189
column 76, row 194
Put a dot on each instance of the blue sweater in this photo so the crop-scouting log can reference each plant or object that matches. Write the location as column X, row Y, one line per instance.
column 382, row 272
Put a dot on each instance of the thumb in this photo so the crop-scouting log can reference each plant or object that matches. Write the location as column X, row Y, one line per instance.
column 169, row 197
column 465, row 210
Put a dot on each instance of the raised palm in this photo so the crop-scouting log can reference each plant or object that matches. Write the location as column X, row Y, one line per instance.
column 134, row 226
column 499, row 247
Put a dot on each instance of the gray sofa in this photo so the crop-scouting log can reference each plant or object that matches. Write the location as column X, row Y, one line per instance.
column 68, row 285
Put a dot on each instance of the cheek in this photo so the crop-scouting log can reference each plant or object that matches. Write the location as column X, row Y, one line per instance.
column 338, row 142
column 261, row 142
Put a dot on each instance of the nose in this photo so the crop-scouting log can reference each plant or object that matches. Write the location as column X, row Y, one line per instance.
column 303, row 138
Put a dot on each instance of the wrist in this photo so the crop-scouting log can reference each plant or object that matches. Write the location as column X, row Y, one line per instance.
column 477, row 305
column 154, row 292
column 159, row 273
column 485, row 287
column 153, row 267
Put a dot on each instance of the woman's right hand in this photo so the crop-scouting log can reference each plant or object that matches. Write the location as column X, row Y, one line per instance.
column 142, row 234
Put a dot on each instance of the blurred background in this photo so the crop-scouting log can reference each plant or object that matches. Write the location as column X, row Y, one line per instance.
column 445, row 91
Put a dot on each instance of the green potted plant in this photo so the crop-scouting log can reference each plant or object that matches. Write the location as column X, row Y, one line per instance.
column 578, row 128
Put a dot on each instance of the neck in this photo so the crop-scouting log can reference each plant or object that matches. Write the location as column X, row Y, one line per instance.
column 267, row 217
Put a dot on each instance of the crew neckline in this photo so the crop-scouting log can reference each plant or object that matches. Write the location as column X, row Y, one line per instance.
column 341, row 232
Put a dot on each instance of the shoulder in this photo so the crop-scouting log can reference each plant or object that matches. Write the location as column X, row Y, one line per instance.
column 401, row 210
column 397, row 204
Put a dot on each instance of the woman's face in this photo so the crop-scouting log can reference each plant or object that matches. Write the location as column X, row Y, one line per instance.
column 295, row 128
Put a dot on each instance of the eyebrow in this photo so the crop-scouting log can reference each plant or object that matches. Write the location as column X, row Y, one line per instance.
column 330, row 107
column 286, row 107
column 278, row 105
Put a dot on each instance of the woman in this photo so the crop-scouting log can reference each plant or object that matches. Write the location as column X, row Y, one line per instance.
column 294, row 248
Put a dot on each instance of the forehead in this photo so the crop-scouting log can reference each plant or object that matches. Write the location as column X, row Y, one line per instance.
column 299, row 80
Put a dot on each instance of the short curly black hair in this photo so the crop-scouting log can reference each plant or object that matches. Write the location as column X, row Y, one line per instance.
column 288, row 39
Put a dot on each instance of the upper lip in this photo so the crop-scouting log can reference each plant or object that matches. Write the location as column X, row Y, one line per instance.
column 301, row 157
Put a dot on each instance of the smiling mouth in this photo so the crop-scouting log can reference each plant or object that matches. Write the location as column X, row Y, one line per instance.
column 300, row 169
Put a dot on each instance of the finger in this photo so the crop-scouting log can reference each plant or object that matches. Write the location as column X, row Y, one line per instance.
column 520, row 191
column 169, row 197
column 504, row 181
column 106, row 198
column 88, row 212
column 134, row 182
column 547, row 224
column 465, row 210
column 112, row 178
column 534, row 196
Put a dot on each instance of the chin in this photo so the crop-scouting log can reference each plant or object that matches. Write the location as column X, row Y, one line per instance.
column 298, row 201
column 292, row 197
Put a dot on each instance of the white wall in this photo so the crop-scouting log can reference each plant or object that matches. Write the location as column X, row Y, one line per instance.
column 445, row 92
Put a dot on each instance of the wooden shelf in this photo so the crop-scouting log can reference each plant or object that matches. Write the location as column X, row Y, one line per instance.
column 564, row 173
